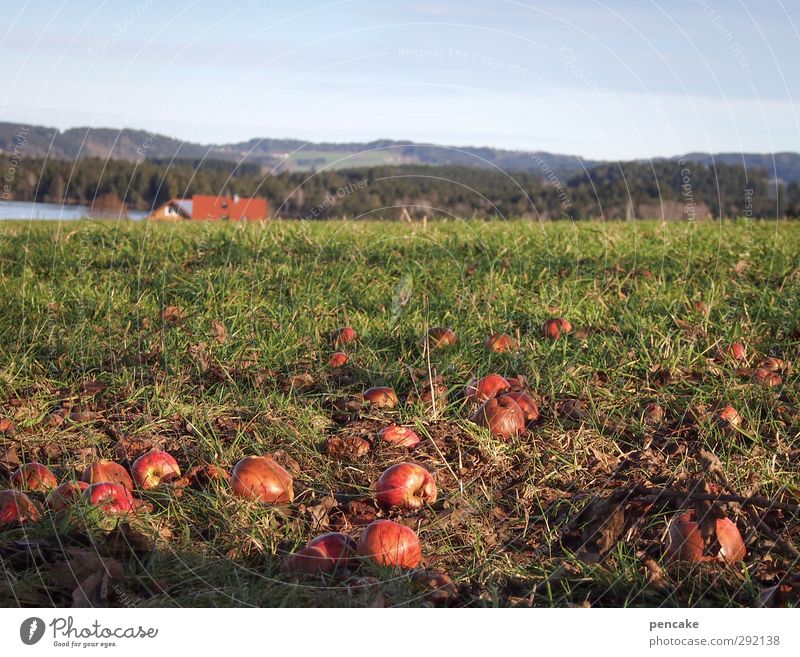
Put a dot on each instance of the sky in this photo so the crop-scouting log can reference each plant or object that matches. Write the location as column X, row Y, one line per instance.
column 610, row 79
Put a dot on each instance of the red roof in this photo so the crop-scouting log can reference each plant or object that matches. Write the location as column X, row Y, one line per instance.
column 230, row 207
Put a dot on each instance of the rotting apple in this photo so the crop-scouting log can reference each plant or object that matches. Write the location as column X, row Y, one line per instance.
column 502, row 416
column 439, row 336
column 107, row 471
column 555, row 327
column 405, row 486
column 33, row 476
column 65, row 495
column 310, row 561
column 486, row 387
column 500, row 343
column 685, row 540
column 381, row 397
column 262, row 478
column 154, row 468
column 338, row 359
column 527, row 405
column 110, row 498
column 343, row 335
column 389, row 543
column 766, row 377
column 16, row 508
column 399, row 436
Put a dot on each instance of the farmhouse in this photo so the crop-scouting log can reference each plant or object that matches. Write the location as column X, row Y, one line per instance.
column 212, row 208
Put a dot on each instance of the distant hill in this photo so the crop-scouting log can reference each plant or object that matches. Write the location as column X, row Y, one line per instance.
column 297, row 155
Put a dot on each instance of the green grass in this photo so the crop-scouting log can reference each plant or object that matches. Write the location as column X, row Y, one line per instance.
column 83, row 302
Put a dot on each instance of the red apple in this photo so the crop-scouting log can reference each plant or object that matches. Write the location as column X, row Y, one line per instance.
column 343, row 335
column 526, row 404
column 500, row 343
column 309, row 560
column 34, row 476
column 324, row 554
column 502, row 416
column 261, row 478
column 390, row 544
column 736, row 351
column 405, row 486
column 16, row 508
column 107, row 471
column 489, row 386
column 556, row 327
column 439, row 336
column 65, row 495
column 399, row 436
column 154, row 468
column 685, row 540
column 110, row 498
column 381, row 397
column 729, row 417
column 338, row 359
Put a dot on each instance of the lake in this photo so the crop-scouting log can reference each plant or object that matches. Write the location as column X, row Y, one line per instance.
column 52, row 211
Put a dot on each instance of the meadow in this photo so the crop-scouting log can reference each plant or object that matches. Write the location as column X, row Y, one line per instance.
column 211, row 341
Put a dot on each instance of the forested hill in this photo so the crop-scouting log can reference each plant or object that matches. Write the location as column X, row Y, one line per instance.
column 297, row 155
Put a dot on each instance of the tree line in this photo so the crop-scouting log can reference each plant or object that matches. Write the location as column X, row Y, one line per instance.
column 669, row 188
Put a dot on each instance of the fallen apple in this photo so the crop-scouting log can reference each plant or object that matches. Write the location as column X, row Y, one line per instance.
column 529, row 408
column 500, row 343
column 556, row 327
column 399, row 436
column 487, row 387
column 388, row 543
column 439, row 336
column 685, row 540
column 343, row 335
column 107, row 471
column 33, row 477
column 338, row 359
column 324, row 553
column 154, row 468
column 381, row 397
column 728, row 417
column 310, row 561
column 110, row 498
column 16, row 508
column 766, row 377
column 263, row 479
column 65, row 495
column 405, row 486
column 502, row 416
column 736, row 351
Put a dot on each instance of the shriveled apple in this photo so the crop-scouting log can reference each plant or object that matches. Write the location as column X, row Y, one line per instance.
column 16, row 508
column 500, row 343
column 65, row 495
column 381, row 397
column 262, row 478
column 33, row 476
column 399, row 436
column 107, row 471
column 685, row 540
column 388, row 543
column 405, row 486
column 502, row 416
column 487, row 387
column 110, row 498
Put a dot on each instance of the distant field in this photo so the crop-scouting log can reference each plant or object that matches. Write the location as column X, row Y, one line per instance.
column 210, row 340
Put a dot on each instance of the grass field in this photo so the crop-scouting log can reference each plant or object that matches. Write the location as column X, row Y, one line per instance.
column 211, row 342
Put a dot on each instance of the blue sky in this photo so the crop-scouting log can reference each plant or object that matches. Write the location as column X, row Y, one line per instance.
column 610, row 79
